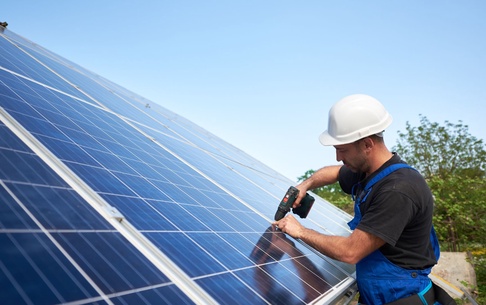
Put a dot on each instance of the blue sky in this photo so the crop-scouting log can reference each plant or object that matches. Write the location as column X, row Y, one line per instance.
column 262, row 75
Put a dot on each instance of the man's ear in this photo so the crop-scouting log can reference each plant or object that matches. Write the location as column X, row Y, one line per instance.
column 368, row 142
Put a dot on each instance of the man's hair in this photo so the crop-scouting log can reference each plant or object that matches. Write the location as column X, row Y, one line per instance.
column 377, row 138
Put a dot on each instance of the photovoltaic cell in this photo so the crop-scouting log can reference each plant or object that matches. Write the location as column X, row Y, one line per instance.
column 55, row 248
column 108, row 198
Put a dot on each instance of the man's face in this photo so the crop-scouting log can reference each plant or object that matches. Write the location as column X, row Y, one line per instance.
column 352, row 155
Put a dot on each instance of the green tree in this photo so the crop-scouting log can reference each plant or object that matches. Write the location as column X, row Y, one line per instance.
column 442, row 151
column 453, row 162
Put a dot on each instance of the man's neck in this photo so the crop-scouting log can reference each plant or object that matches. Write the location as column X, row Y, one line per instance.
column 380, row 158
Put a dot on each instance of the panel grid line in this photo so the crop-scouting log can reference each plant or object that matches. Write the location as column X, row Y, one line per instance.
column 152, row 253
column 123, row 185
column 54, row 241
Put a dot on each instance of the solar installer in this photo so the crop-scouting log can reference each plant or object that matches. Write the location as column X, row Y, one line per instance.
column 393, row 242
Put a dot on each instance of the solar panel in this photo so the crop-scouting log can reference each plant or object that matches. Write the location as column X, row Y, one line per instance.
column 108, row 198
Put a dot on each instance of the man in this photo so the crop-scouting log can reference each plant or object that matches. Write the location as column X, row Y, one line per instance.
column 393, row 242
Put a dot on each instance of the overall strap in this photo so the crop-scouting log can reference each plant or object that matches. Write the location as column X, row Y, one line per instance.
column 385, row 172
column 367, row 190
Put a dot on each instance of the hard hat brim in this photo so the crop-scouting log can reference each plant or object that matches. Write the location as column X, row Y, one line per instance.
column 327, row 140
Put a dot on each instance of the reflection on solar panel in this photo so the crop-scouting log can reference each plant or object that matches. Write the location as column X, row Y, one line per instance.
column 107, row 198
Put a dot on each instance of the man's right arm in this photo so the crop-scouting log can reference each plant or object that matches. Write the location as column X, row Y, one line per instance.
column 324, row 176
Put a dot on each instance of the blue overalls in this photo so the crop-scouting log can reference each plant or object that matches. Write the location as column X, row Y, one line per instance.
column 379, row 280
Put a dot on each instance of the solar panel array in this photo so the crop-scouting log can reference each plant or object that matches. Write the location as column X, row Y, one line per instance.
column 108, row 198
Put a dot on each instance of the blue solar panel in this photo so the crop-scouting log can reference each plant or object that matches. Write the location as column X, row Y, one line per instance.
column 108, row 198
column 54, row 247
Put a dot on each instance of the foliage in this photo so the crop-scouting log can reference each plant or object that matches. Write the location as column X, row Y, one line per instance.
column 460, row 210
column 442, row 151
column 453, row 162
column 479, row 263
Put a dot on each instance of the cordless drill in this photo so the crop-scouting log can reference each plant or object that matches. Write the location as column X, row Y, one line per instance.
column 289, row 199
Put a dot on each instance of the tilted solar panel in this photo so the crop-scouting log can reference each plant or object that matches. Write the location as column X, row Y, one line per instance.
column 108, row 198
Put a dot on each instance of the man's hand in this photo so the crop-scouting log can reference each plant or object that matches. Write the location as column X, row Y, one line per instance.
column 302, row 192
column 290, row 225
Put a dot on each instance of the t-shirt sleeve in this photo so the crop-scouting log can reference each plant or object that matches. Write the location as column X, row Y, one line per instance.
column 347, row 179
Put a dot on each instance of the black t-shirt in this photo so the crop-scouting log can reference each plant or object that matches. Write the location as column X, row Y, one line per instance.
column 398, row 210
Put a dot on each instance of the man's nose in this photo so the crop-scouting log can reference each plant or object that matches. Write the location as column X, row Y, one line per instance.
column 338, row 157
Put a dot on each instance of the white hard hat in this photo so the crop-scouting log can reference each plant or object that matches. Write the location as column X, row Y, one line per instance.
column 355, row 117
